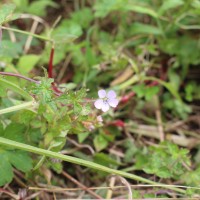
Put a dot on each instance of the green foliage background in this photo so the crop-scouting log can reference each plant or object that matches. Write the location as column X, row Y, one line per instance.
column 147, row 50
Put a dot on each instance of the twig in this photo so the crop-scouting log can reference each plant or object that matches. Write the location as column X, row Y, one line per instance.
column 11, row 34
column 81, row 145
column 152, row 131
column 159, row 119
column 81, row 185
column 63, row 69
column 30, row 37
column 9, row 193
column 57, row 189
column 128, row 186
column 111, row 185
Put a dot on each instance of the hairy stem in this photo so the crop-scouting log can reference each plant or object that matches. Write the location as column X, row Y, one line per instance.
column 28, row 33
column 78, row 161
column 18, row 107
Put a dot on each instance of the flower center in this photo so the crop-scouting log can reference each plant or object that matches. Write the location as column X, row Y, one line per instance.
column 105, row 100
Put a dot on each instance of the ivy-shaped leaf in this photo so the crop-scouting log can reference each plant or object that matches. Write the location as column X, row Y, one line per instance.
column 16, row 158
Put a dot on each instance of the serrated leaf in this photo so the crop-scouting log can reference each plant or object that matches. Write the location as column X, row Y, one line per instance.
column 77, row 108
column 44, row 91
column 163, row 172
column 85, row 110
column 23, row 116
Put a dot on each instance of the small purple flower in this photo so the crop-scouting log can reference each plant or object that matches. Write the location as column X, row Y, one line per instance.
column 106, row 100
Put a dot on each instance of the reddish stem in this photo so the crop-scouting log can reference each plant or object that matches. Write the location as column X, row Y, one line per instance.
column 117, row 123
column 19, row 76
column 9, row 193
column 127, row 97
column 50, row 71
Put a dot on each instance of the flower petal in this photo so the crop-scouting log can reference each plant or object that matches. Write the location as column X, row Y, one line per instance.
column 105, row 107
column 113, row 102
column 102, row 93
column 98, row 103
column 99, row 118
column 111, row 94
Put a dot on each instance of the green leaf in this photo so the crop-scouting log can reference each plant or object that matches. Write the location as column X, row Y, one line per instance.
column 103, row 7
column 104, row 159
column 86, row 109
column 6, row 12
column 5, row 170
column 23, row 116
column 21, row 160
column 39, row 7
column 15, row 132
column 141, row 9
column 21, row 5
column 82, row 137
column 139, row 90
column 83, row 17
column 9, row 85
column 26, row 63
column 77, row 108
column 163, row 172
column 57, row 167
column 173, row 91
column 66, row 32
column 169, row 4
column 10, row 49
column 137, row 28
column 100, row 142
column 150, row 92
column 3, row 92
column 43, row 90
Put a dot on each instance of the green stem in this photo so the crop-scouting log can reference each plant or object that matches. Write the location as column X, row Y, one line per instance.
column 28, row 33
column 43, row 152
column 18, row 107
